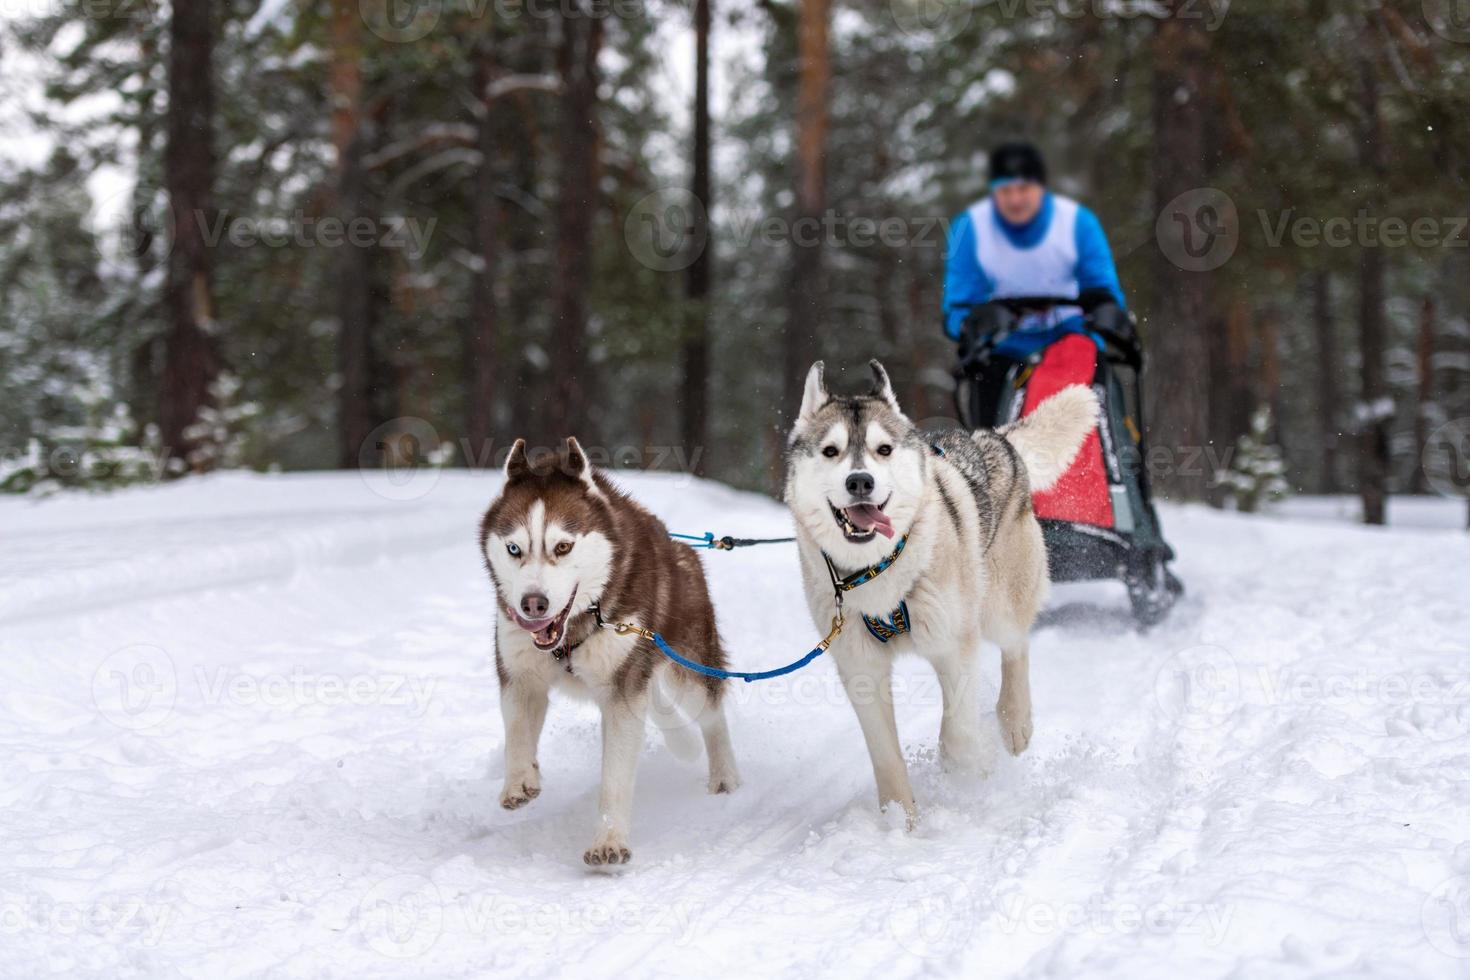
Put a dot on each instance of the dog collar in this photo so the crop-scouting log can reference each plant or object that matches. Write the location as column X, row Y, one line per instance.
column 562, row 653
column 862, row 575
column 896, row 624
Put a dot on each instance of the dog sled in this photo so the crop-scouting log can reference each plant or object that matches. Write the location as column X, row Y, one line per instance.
column 1098, row 521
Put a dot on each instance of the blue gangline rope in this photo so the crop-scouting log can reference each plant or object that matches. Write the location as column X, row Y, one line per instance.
column 745, row 676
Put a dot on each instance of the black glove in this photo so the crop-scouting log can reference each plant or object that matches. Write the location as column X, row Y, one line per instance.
column 1110, row 319
column 1116, row 327
column 988, row 320
column 1094, row 296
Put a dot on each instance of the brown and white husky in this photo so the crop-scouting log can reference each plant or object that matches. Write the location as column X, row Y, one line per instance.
column 560, row 542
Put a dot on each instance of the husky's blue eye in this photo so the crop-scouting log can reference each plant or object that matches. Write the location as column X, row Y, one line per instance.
column 514, row 549
column 830, row 452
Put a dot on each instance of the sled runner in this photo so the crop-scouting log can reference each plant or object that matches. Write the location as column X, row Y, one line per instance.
column 1099, row 520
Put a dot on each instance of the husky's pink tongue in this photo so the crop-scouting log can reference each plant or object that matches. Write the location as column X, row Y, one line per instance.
column 869, row 518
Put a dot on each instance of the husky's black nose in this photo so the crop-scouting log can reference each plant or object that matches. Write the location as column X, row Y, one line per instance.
column 534, row 605
column 860, row 484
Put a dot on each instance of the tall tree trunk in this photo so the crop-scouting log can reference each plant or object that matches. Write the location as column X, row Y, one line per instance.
column 1232, row 397
column 807, row 311
column 1180, row 369
column 356, row 417
column 1329, row 398
column 695, row 407
column 528, row 283
column 481, row 332
column 571, row 380
column 1376, row 407
column 1424, row 417
column 190, row 358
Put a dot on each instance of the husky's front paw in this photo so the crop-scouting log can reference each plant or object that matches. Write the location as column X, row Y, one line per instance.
column 608, row 851
column 1015, row 724
column 521, row 789
column 724, row 782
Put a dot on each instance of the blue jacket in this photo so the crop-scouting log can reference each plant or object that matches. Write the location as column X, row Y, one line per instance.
column 1060, row 252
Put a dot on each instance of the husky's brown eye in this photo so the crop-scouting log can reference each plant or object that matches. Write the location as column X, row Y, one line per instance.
column 885, row 450
column 563, row 549
column 830, row 452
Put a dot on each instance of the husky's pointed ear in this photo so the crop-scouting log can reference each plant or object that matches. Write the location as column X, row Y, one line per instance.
column 815, row 395
column 575, row 464
column 882, row 388
column 517, row 466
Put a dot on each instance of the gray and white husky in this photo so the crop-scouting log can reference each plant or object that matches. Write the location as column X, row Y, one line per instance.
column 560, row 542
column 863, row 482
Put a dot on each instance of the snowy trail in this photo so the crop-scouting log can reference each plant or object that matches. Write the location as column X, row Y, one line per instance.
column 265, row 739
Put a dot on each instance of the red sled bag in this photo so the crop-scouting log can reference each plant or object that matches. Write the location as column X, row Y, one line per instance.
column 1082, row 495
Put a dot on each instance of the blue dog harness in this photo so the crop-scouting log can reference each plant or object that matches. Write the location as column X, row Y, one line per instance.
column 886, row 629
column 882, row 629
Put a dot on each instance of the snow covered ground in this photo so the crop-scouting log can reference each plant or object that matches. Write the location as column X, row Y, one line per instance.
column 249, row 726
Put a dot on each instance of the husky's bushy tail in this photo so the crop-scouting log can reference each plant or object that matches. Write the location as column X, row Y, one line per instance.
column 1048, row 439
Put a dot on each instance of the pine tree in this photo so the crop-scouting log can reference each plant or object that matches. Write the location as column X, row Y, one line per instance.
column 1257, row 472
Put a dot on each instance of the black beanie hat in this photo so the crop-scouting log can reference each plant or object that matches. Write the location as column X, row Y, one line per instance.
column 1016, row 161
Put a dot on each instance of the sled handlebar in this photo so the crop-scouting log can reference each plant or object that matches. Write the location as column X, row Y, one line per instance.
column 1119, row 347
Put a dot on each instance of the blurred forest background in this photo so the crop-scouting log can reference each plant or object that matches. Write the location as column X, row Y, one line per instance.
column 553, row 239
